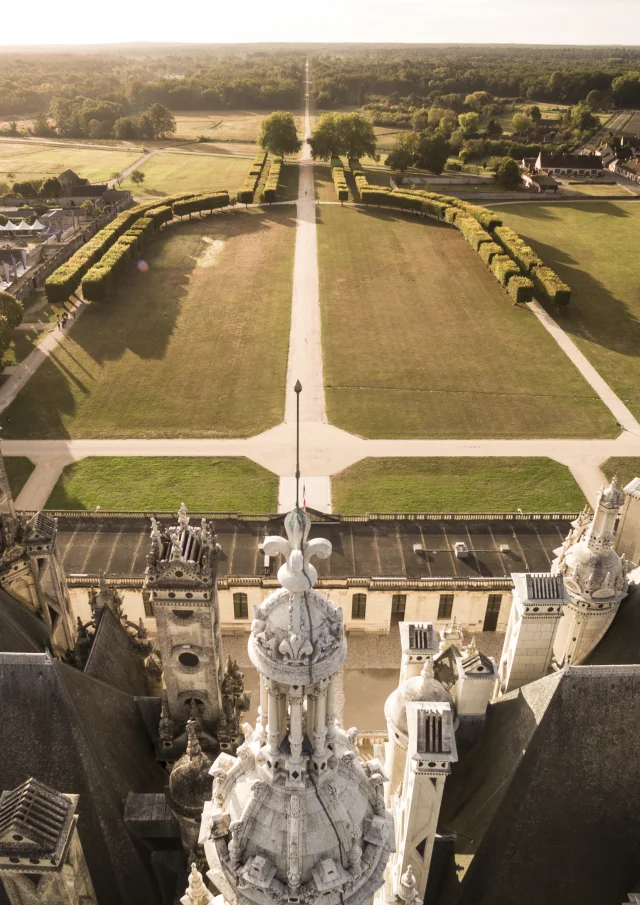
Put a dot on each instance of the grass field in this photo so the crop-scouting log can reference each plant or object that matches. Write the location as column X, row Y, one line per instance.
column 224, row 125
column 18, row 470
column 457, row 484
column 598, row 191
column 594, row 248
column 195, row 347
column 168, row 174
column 158, row 483
column 420, row 340
column 35, row 161
column 625, row 467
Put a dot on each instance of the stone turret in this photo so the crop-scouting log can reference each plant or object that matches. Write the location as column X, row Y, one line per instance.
column 181, row 579
column 41, row 858
column 595, row 577
column 197, row 893
column 296, row 817
column 189, row 788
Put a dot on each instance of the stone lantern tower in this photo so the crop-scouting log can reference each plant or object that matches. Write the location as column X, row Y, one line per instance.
column 595, row 577
column 296, row 817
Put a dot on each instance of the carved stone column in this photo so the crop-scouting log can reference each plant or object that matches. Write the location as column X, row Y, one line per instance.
column 320, row 719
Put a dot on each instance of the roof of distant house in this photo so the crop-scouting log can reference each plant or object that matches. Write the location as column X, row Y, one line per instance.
column 68, row 177
column 570, row 161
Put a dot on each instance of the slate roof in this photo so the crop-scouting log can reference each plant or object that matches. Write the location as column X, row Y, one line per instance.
column 570, row 161
column 621, row 643
column 21, row 631
column 114, row 659
column 363, row 548
column 81, row 736
column 546, row 803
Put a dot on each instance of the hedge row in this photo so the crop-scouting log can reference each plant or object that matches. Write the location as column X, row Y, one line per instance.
column 339, row 181
column 271, row 186
column 247, row 192
column 487, row 252
column 160, row 215
column 520, row 289
column 100, row 279
column 206, row 202
column 517, row 248
column 472, row 231
column 551, row 286
column 486, row 218
column 503, row 268
column 62, row 282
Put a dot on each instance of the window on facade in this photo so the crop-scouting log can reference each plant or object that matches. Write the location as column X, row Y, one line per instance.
column 398, row 604
column 445, row 607
column 240, row 606
column 359, row 606
column 148, row 606
column 492, row 613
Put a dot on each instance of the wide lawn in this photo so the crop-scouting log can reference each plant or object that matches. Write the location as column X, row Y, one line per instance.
column 420, row 340
column 194, row 347
column 459, row 484
column 625, row 467
column 224, row 125
column 170, row 173
column 36, row 161
column 594, row 248
column 18, row 470
column 147, row 483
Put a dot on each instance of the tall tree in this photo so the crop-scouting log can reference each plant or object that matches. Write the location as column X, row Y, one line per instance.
column 137, row 177
column 469, row 122
column 11, row 309
column 279, row 135
column 51, row 187
column 327, row 140
column 359, row 136
column 433, row 152
column 163, row 120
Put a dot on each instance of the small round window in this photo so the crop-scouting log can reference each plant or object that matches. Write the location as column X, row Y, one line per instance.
column 188, row 659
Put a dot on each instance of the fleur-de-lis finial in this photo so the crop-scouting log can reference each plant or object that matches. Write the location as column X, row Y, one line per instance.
column 297, row 574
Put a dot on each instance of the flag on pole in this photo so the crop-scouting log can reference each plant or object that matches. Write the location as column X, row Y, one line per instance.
column 304, row 496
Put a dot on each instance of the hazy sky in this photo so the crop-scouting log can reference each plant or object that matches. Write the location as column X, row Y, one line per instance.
column 231, row 21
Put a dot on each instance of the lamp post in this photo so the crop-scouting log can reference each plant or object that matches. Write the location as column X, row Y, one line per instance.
column 297, row 389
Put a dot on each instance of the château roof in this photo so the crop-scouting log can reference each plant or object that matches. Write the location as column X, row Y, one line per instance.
column 546, row 803
column 21, row 631
column 114, row 658
column 82, row 737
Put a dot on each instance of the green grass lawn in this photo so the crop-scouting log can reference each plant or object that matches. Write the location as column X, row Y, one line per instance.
column 594, row 248
column 195, row 347
column 18, row 470
column 595, row 190
column 325, row 189
column 168, row 174
column 459, row 484
column 36, row 161
column 421, row 341
column 158, row 483
column 625, row 467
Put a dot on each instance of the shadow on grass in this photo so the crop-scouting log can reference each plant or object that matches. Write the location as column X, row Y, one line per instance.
column 140, row 317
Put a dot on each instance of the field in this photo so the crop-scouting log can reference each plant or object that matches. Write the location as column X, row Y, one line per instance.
column 420, row 340
column 455, row 485
column 625, row 467
column 168, row 174
column 595, row 190
column 224, row 125
column 35, row 161
column 143, row 483
column 18, row 470
column 195, row 347
column 593, row 247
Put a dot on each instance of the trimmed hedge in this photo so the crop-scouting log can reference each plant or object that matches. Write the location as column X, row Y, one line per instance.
column 503, row 268
column 520, row 288
column 160, row 215
column 517, row 248
column 472, row 231
column 247, row 191
column 551, row 286
column 271, row 186
column 197, row 204
column 488, row 251
column 101, row 277
column 339, row 181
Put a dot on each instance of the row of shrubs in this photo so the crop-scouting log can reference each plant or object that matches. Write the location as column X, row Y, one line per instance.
column 62, row 282
column 339, row 180
column 247, row 192
column 271, row 186
column 206, row 202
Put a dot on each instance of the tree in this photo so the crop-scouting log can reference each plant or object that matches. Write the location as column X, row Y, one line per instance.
column 51, row 187
column 89, row 207
column 5, row 335
column 163, row 120
column 125, row 128
column 399, row 159
column 508, row 173
column 594, row 99
column 137, row 177
column 11, row 309
column 522, row 122
column 359, row 136
column 26, row 189
column 494, row 127
column 463, row 155
column 469, row 122
column 279, row 135
column 116, row 177
column 534, row 112
column 327, row 140
column 41, row 125
column 433, row 152
column 477, row 100
column 145, row 126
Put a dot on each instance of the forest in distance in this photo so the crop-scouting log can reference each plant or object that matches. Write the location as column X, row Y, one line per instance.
column 216, row 77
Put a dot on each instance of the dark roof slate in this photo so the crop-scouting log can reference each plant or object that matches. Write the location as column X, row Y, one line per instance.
column 114, row 658
column 81, row 736
column 21, row 631
column 621, row 643
column 547, row 801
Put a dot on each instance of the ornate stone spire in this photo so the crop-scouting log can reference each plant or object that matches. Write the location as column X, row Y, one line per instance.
column 197, row 893
column 407, row 893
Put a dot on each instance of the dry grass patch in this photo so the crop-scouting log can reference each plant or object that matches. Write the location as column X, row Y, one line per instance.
column 169, row 174
column 36, row 161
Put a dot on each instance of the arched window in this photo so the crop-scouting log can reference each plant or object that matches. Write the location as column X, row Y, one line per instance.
column 359, row 606
column 240, row 606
